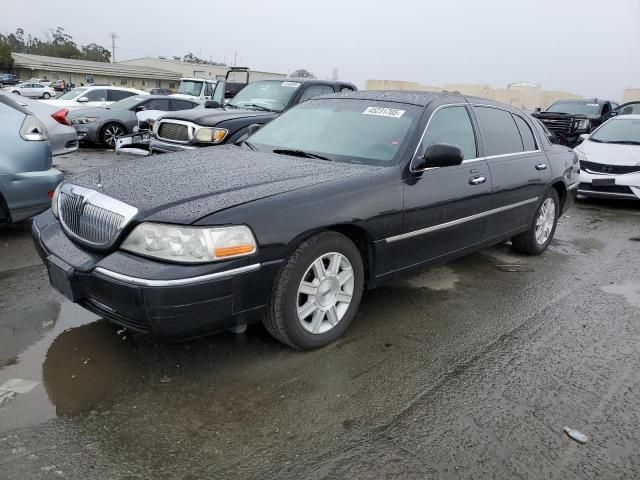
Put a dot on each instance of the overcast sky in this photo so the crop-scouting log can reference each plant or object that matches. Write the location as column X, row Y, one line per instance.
column 589, row 47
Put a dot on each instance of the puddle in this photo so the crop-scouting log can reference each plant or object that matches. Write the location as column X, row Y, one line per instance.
column 630, row 291
column 441, row 278
column 514, row 268
column 576, row 246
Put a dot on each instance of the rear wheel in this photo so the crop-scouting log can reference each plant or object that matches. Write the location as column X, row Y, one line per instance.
column 110, row 132
column 317, row 292
column 536, row 240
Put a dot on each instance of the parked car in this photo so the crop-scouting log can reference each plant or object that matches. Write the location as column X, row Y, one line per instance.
column 629, row 108
column 33, row 90
column 104, row 125
column 160, row 91
column 83, row 97
column 43, row 81
column 7, row 79
column 61, row 134
column 338, row 194
column 610, row 159
column 27, row 181
column 568, row 119
column 256, row 104
column 59, row 85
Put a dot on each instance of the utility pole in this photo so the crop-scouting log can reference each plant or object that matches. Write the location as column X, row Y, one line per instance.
column 113, row 36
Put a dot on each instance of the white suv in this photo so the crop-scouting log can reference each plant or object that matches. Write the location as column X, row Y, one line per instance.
column 96, row 96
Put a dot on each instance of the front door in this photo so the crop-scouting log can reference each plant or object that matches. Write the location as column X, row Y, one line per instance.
column 445, row 207
column 519, row 169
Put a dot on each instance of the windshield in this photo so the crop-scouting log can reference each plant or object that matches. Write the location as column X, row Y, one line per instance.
column 126, row 103
column 190, row 87
column 575, row 108
column 72, row 94
column 272, row 95
column 623, row 130
column 353, row 131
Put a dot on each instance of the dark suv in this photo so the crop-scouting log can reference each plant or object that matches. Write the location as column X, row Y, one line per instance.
column 7, row 79
column 256, row 104
column 568, row 119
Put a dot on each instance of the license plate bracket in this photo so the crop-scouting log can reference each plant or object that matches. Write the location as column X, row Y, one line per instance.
column 603, row 182
column 61, row 277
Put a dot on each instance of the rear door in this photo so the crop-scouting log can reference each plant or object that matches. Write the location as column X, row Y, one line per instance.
column 519, row 168
column 445, row 208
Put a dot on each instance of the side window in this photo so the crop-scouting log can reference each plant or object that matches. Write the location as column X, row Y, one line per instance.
column 158, row 104
column 96, row 95
column 316, row 91
column 115, row 95
column 499, row 131
column 208, row 89
column 346, row 89
column 182, row 105
column 526, row 134
column 451, row 125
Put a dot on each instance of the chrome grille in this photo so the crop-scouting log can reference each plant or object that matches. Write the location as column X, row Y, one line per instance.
column 173, row 131
column 92, row 217
column 560, row 126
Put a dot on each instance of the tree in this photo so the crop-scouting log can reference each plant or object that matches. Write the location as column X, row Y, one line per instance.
column 96, row 53
column 6, row 60
column 302, row 73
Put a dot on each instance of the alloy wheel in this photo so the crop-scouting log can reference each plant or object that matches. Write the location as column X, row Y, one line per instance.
column 111, row 133
column 325, row 293
column 544, row 222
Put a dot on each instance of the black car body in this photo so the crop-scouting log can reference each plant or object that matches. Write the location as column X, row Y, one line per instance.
column 443, row 175
column 179, row 131
column 568, row 119
column 8, row 79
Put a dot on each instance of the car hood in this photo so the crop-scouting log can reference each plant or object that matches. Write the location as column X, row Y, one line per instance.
column 611, row 153
column 561, row 115
column 186, row 186
column 70, row 104
column 211, row 117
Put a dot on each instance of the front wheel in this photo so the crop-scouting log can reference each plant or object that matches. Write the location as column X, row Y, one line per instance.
column 110, row 132
column 536, row 240
column 316, row 293
column 46, row 96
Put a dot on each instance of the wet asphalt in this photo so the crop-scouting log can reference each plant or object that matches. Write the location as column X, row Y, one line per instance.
column 470, row 370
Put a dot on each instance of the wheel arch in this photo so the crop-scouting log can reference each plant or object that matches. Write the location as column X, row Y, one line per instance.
column 357, row 234
column 561, row 188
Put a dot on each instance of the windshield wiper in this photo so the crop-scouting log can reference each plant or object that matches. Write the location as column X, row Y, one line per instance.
column 248, row 144
column 625, row 142
column 231, row 106
column 259, row 107
column 300, row 153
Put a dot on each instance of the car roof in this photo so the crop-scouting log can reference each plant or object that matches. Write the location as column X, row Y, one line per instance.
column 631, row 116
column 306, row 80
column 418, row 98
column 584, row 100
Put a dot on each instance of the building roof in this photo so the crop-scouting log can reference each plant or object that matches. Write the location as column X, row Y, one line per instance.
column 173, row 61
column 41, row 62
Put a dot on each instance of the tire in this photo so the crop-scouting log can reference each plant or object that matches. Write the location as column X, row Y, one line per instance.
column 536, row 240
column 327, row 314
column 16, row 92
column 46, row 96
column 110, row 132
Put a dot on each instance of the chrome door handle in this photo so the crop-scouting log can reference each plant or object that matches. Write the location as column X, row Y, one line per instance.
column 541, row 166
column 477, row 180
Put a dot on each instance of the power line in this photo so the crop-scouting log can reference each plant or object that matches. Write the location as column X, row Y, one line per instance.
column 113, row 36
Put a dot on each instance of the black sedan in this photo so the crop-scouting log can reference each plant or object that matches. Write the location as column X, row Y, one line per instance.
column 338, row 194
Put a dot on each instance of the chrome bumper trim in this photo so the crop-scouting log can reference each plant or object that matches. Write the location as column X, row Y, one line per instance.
column 591, row 193
column 177, row 282
column 573, row 186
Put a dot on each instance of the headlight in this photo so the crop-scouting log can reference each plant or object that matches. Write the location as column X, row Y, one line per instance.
column 180, row 244
column 581, row 156
column 211, row 135
column 32, row 129
column 83, row 120
column 582, row 124
column 54, row 200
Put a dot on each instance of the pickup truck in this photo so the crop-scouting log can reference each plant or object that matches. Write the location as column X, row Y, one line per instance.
column 568, row 119
column 217, row 123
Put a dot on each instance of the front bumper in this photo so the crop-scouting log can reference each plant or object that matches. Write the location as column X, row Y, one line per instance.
column 610, row 186
column 160, row 146
column 184, row 306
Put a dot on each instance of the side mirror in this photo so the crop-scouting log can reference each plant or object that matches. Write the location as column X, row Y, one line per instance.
column 584, row 136
column 613, row 113
column 140, row 108
column 440, row 155
column 211, row 104
column 83, row 100
column 538, row 109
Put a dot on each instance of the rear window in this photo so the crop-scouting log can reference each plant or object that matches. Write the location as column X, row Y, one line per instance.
column 499, row 131
column 526, row 134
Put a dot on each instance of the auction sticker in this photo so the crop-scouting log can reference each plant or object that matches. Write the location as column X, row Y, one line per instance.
column 384, row 112
column 290, row 84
